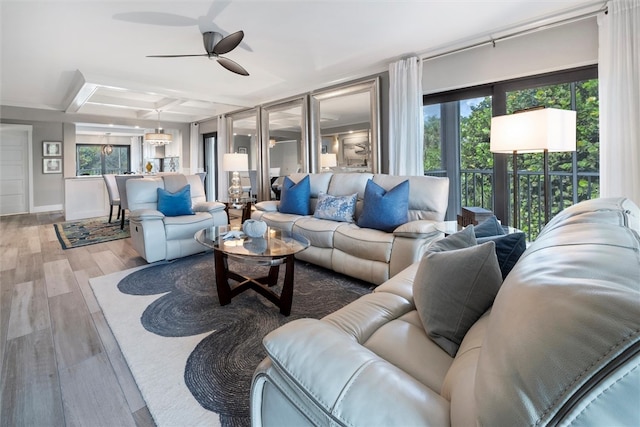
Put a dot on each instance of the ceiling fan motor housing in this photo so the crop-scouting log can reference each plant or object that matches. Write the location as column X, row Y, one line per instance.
column 210, row 40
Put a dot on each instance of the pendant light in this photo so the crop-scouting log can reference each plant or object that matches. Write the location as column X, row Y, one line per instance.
column 158, row 137
column 107, row 149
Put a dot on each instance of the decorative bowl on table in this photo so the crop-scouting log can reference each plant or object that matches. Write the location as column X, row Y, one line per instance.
column 254, row 228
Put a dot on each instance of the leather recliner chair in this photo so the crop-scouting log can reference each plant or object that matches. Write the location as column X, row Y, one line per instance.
column 158, row 237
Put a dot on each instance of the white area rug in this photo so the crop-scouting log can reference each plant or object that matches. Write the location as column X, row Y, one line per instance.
column 157, row 363
column 192, row 359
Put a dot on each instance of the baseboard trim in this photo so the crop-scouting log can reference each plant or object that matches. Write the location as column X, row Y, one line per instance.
column 50, row 208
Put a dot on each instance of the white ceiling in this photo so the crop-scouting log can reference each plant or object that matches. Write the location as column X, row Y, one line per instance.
column 88, row 57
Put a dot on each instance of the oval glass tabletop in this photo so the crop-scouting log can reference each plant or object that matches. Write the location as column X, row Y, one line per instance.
column 275, row 243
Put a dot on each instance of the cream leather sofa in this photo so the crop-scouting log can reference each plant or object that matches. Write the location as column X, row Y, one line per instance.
column 364, row 253
column 560, row 346
column 158, row 237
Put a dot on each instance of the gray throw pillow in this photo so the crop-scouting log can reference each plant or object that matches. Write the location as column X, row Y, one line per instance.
column 452, row 289
column 459, row 240
column 489, row 227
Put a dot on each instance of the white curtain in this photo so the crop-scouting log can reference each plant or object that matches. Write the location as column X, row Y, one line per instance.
column 406, row 128
column 619, row 92
column 223, row 177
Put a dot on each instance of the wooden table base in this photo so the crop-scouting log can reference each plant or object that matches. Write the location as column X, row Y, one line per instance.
column 261, row 285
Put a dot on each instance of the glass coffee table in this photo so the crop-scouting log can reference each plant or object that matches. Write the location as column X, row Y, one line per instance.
column 275, row 248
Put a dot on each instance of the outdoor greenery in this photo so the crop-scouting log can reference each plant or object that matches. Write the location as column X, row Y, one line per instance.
column 91, row 160
column 476, row 160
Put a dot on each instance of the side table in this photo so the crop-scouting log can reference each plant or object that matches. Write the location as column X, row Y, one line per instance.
column 244, row 204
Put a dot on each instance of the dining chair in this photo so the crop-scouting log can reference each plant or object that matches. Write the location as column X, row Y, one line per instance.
column 121, row 181
column 114, row 195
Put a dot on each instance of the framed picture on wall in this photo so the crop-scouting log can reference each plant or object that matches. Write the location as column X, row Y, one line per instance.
column 242, row 150
column 51, row 149
column 51, row 165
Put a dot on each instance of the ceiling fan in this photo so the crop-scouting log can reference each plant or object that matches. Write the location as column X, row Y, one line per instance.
column 216, row 45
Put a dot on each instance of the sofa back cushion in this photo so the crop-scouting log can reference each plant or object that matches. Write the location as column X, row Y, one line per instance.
column 143, row 193
column 428, row 195
column 197, row 189
column 564, row 333
column 174, row 182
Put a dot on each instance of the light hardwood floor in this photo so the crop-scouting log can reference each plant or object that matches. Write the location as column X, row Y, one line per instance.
column 60, row 364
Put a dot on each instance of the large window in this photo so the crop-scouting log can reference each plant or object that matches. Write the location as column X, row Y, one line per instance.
column 91, row 159
column 457, row 129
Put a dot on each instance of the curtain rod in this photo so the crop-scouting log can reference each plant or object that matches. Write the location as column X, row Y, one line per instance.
column 492, row 41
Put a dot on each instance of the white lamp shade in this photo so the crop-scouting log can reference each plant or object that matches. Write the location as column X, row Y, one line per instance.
column 328, row 160
column 534, row 131
column 235, row 162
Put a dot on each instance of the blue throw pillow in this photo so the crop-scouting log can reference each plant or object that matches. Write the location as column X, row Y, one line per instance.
column 294, row 198
column 336, row 208
column 385, row 210
column 175, row 204
column 489, row 227
column 509, row 248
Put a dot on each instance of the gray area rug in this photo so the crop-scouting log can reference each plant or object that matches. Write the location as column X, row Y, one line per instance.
column 219, row 369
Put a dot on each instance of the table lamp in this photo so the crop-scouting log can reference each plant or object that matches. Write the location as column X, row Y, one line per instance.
column 328, row 161
column 235, row 162
column 533, row 131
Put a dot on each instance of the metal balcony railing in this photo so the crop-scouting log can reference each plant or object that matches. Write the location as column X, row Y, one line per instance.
column 567, row 188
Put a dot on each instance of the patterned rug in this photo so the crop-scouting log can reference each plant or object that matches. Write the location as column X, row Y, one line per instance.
column 192, row 359
column 74, row 234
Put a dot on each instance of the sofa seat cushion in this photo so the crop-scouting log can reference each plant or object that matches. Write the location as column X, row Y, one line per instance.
column 319, row 231
column 302, row 349
column 184, row 227
column 365, row 243
column 420, row 357
column 280, row 220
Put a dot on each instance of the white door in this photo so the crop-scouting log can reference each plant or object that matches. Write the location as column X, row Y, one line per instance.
column 15, row 141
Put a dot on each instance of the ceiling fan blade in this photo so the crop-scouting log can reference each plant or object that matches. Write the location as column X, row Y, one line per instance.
column 228, row 43
column 156, row 18
column 175, row 56
column 232, row 66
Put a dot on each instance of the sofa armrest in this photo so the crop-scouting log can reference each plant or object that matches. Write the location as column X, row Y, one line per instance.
column 268, row 206
column 339, row 375
column 418, row 229
column 208, row 207
column 145, row 215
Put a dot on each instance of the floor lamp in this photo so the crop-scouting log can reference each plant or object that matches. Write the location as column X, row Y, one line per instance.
column 539, row 130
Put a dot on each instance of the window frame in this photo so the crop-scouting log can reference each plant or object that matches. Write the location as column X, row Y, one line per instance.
column 102, row 156
column 498, row 92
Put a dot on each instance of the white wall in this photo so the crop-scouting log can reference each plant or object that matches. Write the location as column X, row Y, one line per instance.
column 563, row 47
